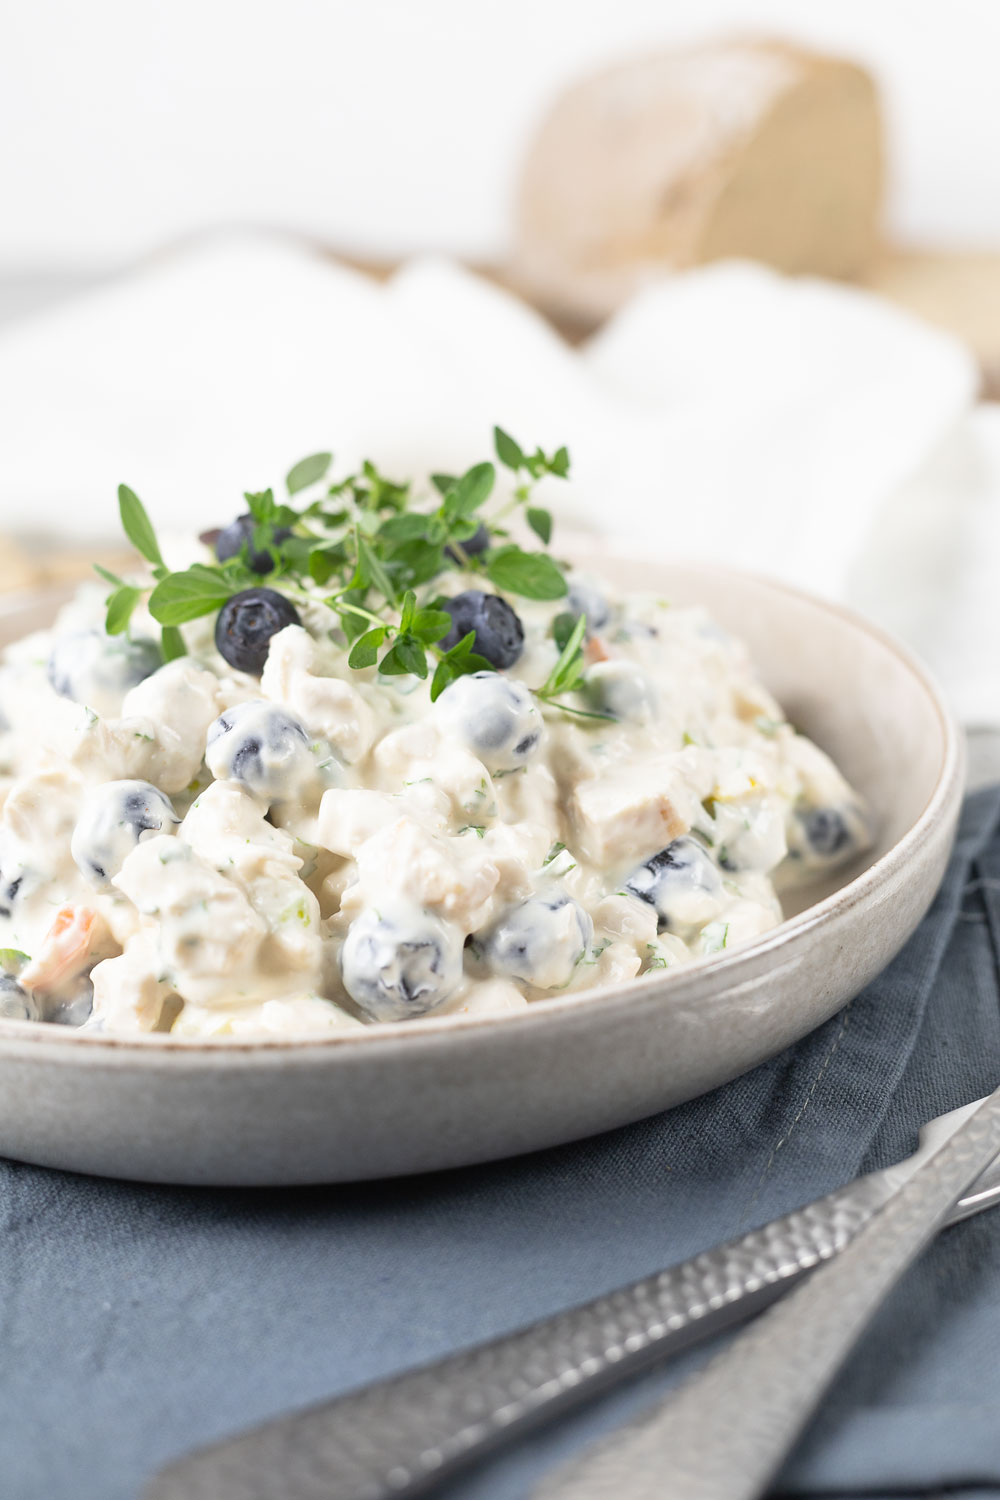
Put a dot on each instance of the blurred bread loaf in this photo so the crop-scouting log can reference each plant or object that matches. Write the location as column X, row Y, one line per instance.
column 739, row 148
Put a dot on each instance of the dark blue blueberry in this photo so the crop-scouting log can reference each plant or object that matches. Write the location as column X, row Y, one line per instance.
column 540, row 941
column 584, row 599
column 499, row 632
column 113, row 819
column 497, row 718
column 400, row 964
column 97, row 669
column 263, row 746
column 680, row 869
column 826, row 830
column 72, row 1012
column 473, row 546
column 231, row 541
column 8, row 894
column 15, row 1003
column 246, row 624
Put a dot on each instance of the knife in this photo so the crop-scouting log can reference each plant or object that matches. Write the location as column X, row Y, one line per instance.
column 723, row 1433
column 398, row 1437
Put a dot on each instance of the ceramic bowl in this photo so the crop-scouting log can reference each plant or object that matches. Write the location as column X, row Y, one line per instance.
column 447, row 1092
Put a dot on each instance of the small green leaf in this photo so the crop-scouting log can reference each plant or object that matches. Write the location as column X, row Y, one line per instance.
column 307, row 471
column 470, row 492
column 366, row 648
column 429, row 625
column 404, row 528
column 444, row 482
column 540, row 522
column 325, row 561
column 371, row 569
column 138, row 527
column 172, row 643
column 108, row 576
column 120, row 606
column 414, row 563
column 566, row 673
column 563, row 627
column 260, row 505
column 12, row 960
column 458, row 662
column 507, row 451
column 187, row 596
column 405, row 656
column 407, row 612
column 530, row 574
column 559, row 463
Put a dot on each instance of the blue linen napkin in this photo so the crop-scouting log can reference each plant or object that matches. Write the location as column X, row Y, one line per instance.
column 138, row 1322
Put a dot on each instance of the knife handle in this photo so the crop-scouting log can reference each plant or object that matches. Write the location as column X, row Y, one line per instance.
column 724, row 1433
column 396, row 1437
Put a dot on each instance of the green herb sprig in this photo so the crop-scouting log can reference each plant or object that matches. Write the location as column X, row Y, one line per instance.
column 567, row 675
column 528, row 469
column 369, row 548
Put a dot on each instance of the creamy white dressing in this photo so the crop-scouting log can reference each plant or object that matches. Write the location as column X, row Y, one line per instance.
column 207, row 854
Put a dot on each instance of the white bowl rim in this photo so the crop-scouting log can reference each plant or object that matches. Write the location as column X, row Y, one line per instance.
column 603, row 999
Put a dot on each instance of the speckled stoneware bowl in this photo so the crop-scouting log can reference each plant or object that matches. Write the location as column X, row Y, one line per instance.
column 442, row 1093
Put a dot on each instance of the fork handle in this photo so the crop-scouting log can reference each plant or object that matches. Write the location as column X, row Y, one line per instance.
column 725, row 1432
column 396, row 1437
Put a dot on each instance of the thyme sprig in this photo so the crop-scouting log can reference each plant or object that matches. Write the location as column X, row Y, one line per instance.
column 369, row 548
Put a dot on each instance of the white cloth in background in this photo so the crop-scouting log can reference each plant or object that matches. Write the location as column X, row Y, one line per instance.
column 799, row 428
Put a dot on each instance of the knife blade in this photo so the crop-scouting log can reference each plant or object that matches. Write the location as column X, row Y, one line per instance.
column 397, row 1437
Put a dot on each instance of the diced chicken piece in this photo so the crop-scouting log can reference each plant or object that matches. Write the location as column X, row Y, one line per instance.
column 491, row 997
column 349, row 816
column 228, row 828
column 454, row 877
column 625, row 917
column 180, row 701
column 627, row 814
column 418, row 754
column 296, row 1015
column 210, row 937
column 296, row 676
column 129, row 993
column 40, row 813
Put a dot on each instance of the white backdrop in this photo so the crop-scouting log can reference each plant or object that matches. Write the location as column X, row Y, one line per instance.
column 393, row 125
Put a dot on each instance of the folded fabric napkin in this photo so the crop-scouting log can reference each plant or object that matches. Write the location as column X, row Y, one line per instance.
column 797, row 427
column 139, row 1322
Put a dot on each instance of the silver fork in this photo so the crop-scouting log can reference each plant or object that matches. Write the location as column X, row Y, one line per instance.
column 723, row 1434
column 399, row 1436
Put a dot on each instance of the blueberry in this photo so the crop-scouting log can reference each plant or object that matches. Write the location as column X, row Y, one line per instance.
column 499, row 632
column 10, row 888
column 681, row 882
column 584, row 599
column 262, row 746
column 246, row 624
column 231, row 541
column 98, row 670
column 400, row 962
column 15, row 1003
column 622, row 689
column 826, row 830
column 114, row 819
column 540, row 942
column 473, row 546
column 497, row 719
column 72, row 1012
